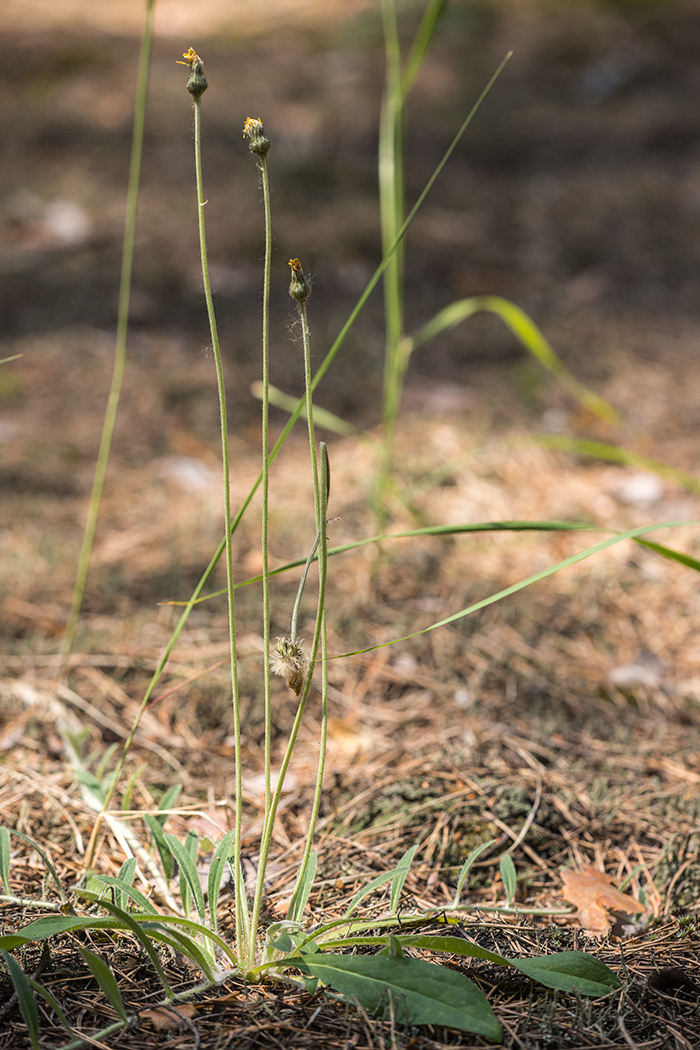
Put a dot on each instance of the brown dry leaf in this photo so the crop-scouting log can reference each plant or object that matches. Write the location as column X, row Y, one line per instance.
column 166, row 1019
column 595, row 896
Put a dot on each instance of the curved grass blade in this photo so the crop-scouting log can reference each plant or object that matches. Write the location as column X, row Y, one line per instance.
column 380, row 880
column 528, row 334
column 467, row 866
column 25, row 997
column 44, row 992
column 106, row 980
column 184, row 945
column 189, row 924
column 417, row 992
column 402, row 869
column 631, row 534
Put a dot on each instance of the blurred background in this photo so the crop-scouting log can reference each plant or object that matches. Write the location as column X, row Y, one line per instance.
column 575, row 193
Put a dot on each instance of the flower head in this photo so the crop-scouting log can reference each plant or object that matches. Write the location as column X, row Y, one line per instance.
column 290, row 661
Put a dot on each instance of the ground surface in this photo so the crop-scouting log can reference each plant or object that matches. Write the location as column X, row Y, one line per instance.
column 564, row 719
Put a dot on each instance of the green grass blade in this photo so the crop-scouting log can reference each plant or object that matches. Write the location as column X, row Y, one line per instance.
column 424, row 37
column 426, row 942
column 129, row 923
column 302, row 890
column 322, row 416
column 155, row 827
column 167, row 803
column 25, row 997
column 185, row 945
column 614, row 454
column 427, row 530
column 402, row 869
column 188, row 872
column 573, row 972
column 467, row 866
column 631, row 534
column 371, row 886
column 106, row 980
column 216, row 869
column 125, row 892
column 530, row 337
column 509, row 877
column 420, row 992
column 5, row 857
column 45, row 857
column 119, row 366
column 668, row 552
column 39, row 989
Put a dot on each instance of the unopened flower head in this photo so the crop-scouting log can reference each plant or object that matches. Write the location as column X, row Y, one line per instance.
column 258, row 142
column 299, row 286
column 197, row 83
column 290, row 661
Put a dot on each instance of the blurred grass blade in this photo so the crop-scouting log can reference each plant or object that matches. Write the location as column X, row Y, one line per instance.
column 322, row 416
column 25, row 997
column 119, row 366
column 106, row 980
column 467, row 866
column 613, row 454
column 528, row 334
column 509, row 877
column 631, row 534
column 167, row 802
column 5, row 856
column 402, row 869
column 668, row 552
column 302, row 890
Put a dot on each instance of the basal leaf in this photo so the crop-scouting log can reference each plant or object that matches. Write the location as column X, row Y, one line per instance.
column 510, row 879
column 569, row 972
column 420, row 992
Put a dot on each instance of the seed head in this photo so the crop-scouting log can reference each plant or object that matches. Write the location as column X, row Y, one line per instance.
column 290, row 661
column 299, row 286
column 197, row 83
column 258, row 142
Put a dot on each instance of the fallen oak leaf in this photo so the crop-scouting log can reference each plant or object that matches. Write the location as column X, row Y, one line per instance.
column 598, row 901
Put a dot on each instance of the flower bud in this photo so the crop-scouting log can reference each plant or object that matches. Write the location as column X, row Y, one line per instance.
column 258, row 142
column 197, row 83
column 299, row 287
